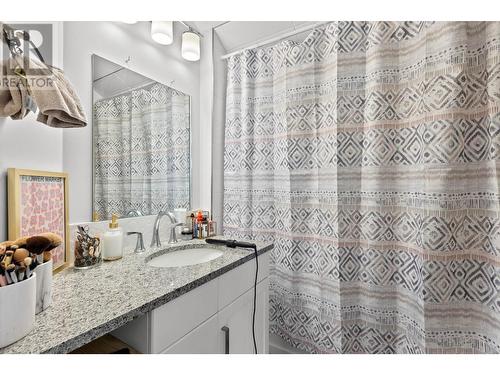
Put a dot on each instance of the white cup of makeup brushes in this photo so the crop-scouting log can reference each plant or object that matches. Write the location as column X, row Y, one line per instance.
column 43, row 286
column 17, row 310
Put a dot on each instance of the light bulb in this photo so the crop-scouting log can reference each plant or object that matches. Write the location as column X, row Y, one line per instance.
column 190, row 46
column 162, row 32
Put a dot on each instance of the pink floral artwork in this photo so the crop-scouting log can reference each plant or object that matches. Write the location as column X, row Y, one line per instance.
column 42, row 210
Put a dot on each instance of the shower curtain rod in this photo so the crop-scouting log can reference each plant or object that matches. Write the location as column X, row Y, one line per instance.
column 276, row 38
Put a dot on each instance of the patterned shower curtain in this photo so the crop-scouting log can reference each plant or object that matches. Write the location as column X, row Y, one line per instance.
column 370, row 155
column 141, row 151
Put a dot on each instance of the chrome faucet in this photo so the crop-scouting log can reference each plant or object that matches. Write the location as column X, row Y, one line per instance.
column 155, row 242
column 139, row 245
column 132, row 213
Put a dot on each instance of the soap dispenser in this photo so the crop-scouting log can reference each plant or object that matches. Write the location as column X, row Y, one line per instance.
column 112, row 241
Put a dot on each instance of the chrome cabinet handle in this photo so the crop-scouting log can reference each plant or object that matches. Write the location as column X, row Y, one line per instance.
column 226, row 336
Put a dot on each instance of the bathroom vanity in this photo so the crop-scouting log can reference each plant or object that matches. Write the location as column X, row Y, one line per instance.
column 197, row 308
column 215, row 317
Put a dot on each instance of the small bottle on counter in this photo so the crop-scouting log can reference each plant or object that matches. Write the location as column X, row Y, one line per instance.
column 193, row 226
column 112, row 241
column 200, row 224
column 212, row 228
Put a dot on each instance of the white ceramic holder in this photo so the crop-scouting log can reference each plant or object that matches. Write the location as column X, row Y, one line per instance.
column 43, row 286
column 17, row 310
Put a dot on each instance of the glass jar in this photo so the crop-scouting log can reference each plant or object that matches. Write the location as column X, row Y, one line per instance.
column 87, row 252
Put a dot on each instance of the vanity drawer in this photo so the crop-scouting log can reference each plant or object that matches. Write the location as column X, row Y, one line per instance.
column 239, row 280
column 175, row 319
column 201, row 340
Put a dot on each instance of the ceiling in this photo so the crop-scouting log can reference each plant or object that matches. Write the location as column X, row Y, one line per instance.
column 236, row 35
column 110, row 79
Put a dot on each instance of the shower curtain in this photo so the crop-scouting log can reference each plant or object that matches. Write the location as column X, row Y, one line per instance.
column 141, row 151
column 369, row 155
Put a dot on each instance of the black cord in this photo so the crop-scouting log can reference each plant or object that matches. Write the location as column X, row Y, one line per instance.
column 255, row 299
column 233, row 244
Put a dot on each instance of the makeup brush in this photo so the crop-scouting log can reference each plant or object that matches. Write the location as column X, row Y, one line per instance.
column 27, row 262
column 6, row 244
column 20, row 254
column 47, row 255
column 21, row 272
column 11, row 271
column 7, row 276
column 21, row 241
column 7, row 259
column 37, row 245
column 3, row 280
column 55, row 240
column 34, row 262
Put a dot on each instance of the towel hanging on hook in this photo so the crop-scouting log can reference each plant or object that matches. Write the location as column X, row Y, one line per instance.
column 59, row 105
column 15, row 100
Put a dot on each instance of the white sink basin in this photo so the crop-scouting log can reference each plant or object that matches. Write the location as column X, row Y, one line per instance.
column 188, row 257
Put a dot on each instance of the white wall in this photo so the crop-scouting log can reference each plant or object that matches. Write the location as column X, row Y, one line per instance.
column 218, row 127
column 116, row 41
column 212, row 117
column 29, row 144
column 26, row 144
column 206, row 90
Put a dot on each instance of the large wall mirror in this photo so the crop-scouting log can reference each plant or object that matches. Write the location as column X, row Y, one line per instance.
column 141, row 143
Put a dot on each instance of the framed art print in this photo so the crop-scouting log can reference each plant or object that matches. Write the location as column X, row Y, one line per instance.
column 37, row 203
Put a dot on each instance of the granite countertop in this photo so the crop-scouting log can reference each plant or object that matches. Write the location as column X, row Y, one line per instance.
column 87, row 304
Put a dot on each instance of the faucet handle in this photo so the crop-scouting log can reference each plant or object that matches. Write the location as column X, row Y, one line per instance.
column 173, row 236
column 139, row 245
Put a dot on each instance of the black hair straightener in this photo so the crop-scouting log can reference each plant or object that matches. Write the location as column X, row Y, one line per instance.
column 231, row 243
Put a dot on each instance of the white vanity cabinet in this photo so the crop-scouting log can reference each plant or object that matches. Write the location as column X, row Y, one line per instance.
column 201, row 340
column 235, row 318
column 213, row 318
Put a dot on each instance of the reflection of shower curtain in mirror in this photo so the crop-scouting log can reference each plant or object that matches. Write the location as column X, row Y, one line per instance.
column 141, row 146
column 369, row 154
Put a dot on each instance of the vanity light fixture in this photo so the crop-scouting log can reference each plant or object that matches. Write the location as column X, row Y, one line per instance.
column 190, row 49
column 162, row 32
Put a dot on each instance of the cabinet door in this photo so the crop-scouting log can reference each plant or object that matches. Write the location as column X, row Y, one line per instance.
column 239, row 280
column 235, row 323
column 177, row 318
column 201, row 340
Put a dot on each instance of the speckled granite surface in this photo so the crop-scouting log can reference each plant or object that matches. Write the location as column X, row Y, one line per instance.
column 90, row 303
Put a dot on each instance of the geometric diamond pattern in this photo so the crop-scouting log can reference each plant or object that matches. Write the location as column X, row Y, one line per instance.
column 141, row 143
column 369, row 154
